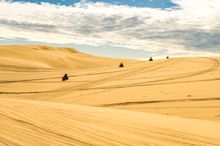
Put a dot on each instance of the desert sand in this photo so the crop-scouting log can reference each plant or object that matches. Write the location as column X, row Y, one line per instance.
column 165, row 102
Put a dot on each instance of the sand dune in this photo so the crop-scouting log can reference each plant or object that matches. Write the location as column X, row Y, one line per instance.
column 165, row 102
column 63, row 124
column 47, row 57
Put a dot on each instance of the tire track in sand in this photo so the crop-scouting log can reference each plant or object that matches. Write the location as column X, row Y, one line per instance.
column 125, row 74
column 160, row 101
column 163, row 81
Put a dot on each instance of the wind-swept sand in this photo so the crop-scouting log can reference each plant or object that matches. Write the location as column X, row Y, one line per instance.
column 165, row 102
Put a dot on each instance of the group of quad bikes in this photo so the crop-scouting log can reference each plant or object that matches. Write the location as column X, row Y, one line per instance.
column 121, row 65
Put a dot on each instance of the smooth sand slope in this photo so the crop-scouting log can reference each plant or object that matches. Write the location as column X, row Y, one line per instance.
column 165, row 102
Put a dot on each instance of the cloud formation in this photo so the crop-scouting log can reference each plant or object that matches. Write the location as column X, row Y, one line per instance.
column 193, row 25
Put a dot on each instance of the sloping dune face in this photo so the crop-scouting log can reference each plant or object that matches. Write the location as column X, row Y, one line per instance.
column 46, row 123
column 165, row 102
column 47, row 57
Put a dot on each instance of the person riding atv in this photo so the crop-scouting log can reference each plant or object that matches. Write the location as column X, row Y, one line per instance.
column 65, row 77
column 121, row 65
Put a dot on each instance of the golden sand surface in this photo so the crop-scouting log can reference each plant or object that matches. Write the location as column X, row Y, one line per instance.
column 165, row 102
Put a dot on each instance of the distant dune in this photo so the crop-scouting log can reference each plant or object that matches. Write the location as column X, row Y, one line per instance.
column 172, row 101
column 50, row 57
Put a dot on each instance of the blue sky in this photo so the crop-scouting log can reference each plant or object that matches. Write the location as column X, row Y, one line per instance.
column 117, row 28
column 136, row 3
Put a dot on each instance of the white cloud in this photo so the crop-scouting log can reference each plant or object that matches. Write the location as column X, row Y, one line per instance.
column 193, row 25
